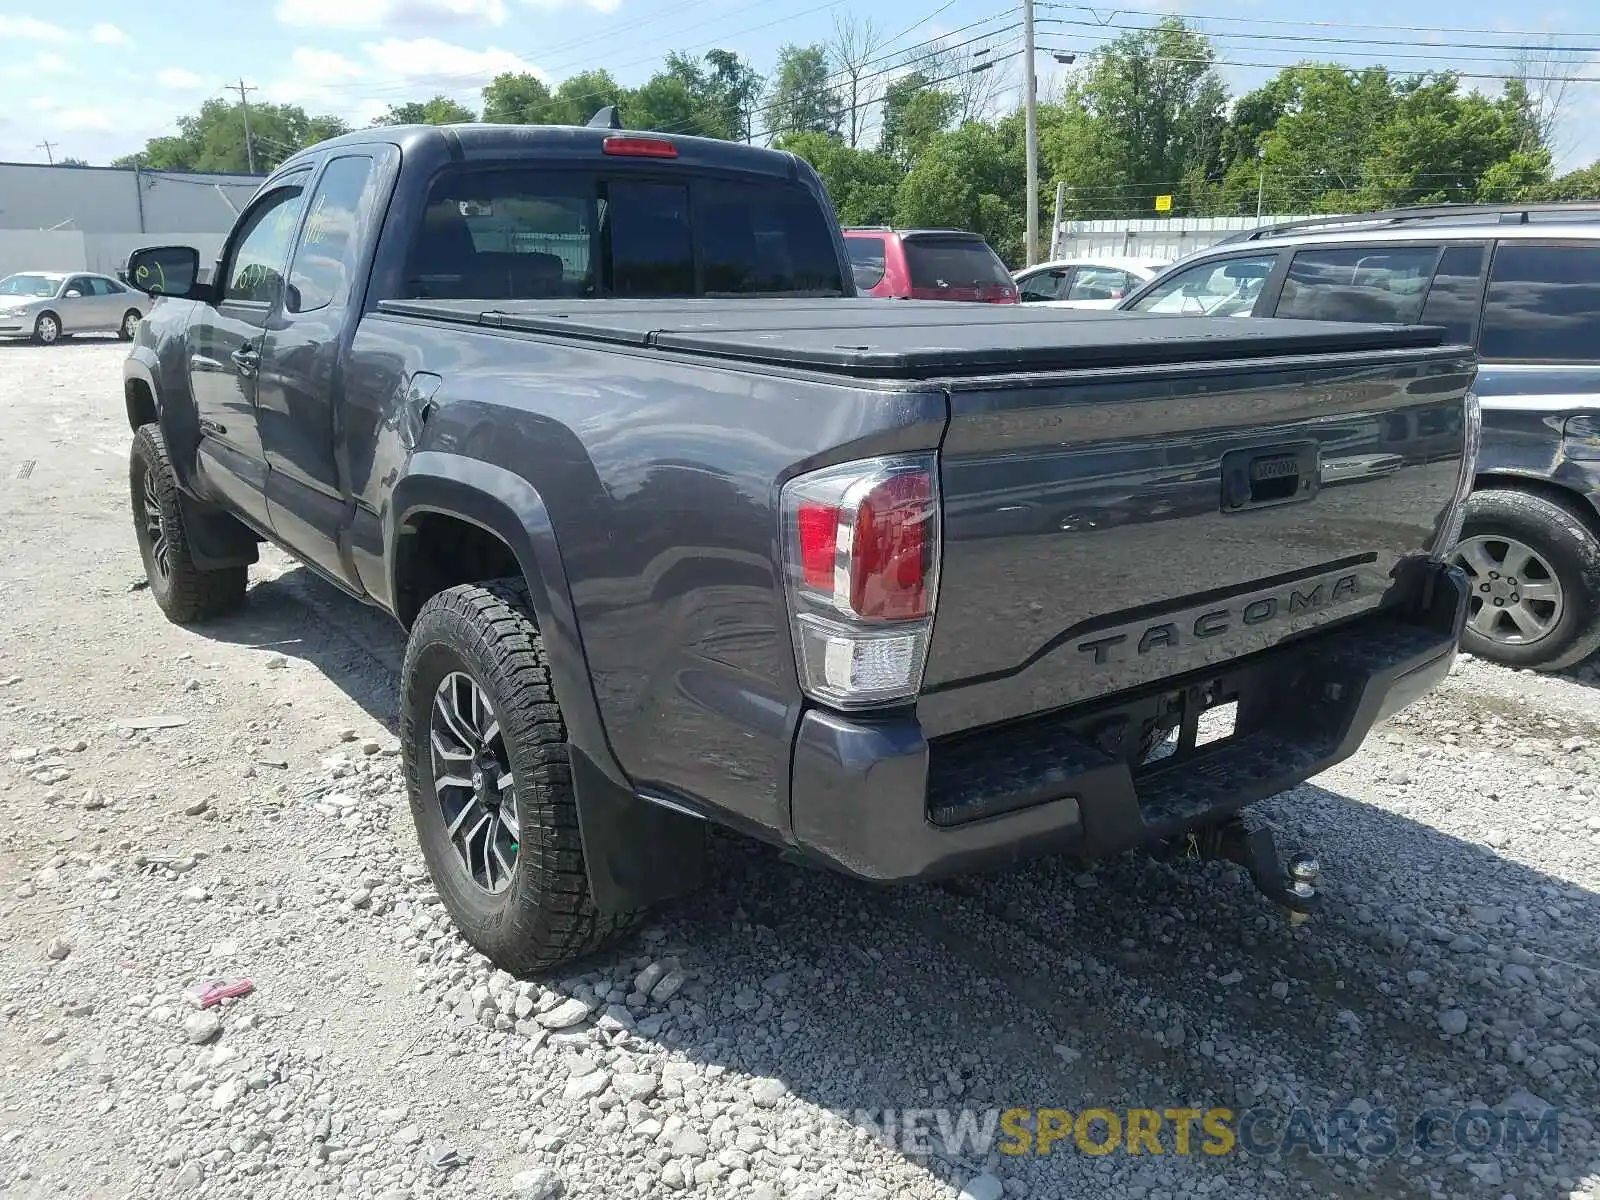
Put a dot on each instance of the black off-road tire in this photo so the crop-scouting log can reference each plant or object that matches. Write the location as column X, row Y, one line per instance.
column 185, row 593
column 546, row 916
column 1556, row 532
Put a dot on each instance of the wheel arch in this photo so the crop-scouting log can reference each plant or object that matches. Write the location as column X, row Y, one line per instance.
column 1573, row 501
column 139, row 392
column 624, row 837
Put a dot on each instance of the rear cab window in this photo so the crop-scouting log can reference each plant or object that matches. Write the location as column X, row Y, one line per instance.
column 530, row 232
column 938, row 262
column 1543, row 303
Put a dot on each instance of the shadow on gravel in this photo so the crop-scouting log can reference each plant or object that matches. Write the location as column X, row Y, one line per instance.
column 1127, row 985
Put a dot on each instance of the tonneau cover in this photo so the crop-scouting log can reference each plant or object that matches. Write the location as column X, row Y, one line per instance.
column 918, row 339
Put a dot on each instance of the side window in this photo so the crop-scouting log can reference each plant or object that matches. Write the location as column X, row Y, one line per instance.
column 103, row 287
column 325, row 260
column 1098, row 283
column 1380, row 284
column 1042, row 285
column 1543, row 304
column 1223, row 287
column 866, row 260
column 78, row 284
column 763, row 241
column 254, row 275
column 1453, row 299
column 651, row 253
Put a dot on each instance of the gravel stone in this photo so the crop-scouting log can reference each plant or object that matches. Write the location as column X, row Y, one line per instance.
column 565, row 1014
column 202, row 1027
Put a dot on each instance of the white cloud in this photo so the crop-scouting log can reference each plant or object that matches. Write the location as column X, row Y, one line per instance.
column 430, row 62
column 46, row 63
column 31, row 29
column 384, row 14
column 77, row 120
column 109, row 35
column 316, row 78
column 179, row 80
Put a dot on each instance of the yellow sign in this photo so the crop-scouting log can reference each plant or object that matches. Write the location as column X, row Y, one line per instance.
column 1164, row 203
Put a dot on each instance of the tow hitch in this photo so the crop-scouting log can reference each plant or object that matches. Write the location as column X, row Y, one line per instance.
column 1291, row 884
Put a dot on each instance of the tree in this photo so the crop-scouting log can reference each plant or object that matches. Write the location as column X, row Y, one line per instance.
column 854, row 46
column 861, row 183
column 913, row 112
column 972, row 177
column 69, row 161
column 518, row 99
column 441, row 110
column 213, row 139
column 710, row 100
column 802, row 98
column 731, row 90
column 1583, row 184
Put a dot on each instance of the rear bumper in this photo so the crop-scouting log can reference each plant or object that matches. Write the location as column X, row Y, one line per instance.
column 876, row 799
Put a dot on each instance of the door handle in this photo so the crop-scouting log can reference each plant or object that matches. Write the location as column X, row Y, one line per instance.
column 246, row 358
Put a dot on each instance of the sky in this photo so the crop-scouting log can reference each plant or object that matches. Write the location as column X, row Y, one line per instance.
column 95, row 78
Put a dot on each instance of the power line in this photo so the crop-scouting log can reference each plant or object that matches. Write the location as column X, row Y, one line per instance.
column 1414, row 29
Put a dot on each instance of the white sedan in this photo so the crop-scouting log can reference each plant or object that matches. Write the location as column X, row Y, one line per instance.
column 1085, row 282
column 49, row 305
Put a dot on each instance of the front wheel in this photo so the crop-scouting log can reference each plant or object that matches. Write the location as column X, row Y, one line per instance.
column 184, row 591
column 1533, row 570
column 47, row 329
column 130, row 325
column 485, row 750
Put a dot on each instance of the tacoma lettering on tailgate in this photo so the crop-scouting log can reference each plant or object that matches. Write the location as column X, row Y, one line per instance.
column 1201, row 624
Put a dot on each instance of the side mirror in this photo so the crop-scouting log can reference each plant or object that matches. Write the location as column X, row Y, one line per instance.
column 72, row 294
column 166, row 271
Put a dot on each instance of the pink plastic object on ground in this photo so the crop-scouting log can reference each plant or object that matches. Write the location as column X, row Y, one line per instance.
column 214, row 992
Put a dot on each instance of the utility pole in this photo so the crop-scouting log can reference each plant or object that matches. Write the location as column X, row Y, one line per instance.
column 1261, row 180
column 1055, row 223
column 244, row 102
column 49, row 151
column 1030, row 107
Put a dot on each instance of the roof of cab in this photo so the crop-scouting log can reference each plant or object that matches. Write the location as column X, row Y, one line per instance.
column 478, row 141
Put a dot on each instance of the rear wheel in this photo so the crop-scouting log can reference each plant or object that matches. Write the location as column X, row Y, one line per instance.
column 1533, row 569
column 490, row 782
column 184, row 591
column 47, row 329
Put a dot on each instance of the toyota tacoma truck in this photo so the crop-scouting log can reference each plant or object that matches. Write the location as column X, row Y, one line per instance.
column 684, row 532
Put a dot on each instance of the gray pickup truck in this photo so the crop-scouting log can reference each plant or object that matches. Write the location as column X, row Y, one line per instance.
column 684, row 532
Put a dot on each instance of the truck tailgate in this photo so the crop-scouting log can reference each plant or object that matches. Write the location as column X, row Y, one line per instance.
column 1107, row 529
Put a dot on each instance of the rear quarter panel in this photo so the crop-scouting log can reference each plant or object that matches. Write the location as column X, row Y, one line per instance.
column 660, row 477
column 1525, row 408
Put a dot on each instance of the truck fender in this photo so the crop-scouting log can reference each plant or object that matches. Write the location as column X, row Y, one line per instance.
column 216, row 539
column 636, row 853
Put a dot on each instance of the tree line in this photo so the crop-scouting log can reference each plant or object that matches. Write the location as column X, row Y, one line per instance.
column 932, row 137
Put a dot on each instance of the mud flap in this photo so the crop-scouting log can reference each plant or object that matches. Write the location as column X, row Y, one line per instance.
column 636, row 853
column 216, row 539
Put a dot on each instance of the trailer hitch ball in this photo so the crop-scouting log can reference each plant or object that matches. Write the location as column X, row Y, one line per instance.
column 1303, row 871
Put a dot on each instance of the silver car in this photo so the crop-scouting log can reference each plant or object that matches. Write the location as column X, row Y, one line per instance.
column 49, row 305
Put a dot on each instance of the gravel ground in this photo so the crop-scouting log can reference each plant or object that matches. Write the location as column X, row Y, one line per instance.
column 178, row 806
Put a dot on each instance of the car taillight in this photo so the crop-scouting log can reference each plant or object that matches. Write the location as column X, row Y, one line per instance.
column 861, row 549
column 1453, row 517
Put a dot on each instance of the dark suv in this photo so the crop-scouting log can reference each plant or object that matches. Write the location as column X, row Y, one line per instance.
column 1521, row 284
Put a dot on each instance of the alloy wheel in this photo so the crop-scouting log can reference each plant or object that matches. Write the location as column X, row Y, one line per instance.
column 1516, row 595
column 472, row 781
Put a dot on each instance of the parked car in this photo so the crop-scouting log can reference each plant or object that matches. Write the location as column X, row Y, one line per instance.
column 928, row 264
column 1520, row 283
column 683, row 531
column 50, row 305
column 1085, row 282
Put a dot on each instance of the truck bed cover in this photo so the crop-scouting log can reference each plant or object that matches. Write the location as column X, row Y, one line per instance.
column 870, row 338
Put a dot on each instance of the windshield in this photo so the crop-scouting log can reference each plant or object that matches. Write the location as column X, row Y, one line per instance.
column 953, row 262
column 29, row 285
column 524, row 233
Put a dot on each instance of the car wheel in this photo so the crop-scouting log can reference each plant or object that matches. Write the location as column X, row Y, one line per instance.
column 130, row 325
column 490, row 784
column 1533, row 569
column 184, row 591
column 47, row 329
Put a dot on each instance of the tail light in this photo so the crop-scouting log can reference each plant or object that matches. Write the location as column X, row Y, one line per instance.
column 861, row 554
column 1451, row 520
